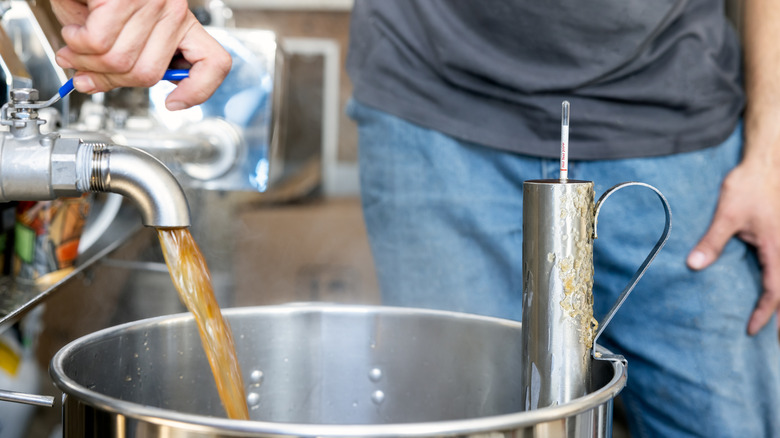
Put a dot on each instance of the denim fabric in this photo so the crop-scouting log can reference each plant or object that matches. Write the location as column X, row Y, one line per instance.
column 444, row 219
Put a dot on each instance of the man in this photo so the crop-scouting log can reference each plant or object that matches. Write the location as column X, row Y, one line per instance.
column 458, row 102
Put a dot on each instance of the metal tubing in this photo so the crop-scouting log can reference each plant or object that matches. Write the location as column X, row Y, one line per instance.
column 35, row 167
column 40, row 167
column 141, row 177
column 558, row 322
column 27, row 399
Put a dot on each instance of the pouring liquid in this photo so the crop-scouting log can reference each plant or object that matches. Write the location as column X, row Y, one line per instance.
column 192, row 279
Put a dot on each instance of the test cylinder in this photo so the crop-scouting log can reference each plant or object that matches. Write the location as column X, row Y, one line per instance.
column 558, row 323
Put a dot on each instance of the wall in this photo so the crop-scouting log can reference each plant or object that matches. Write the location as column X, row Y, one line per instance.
column 333, row 25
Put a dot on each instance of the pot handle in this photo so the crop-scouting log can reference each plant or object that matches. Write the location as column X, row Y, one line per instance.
column 27, row 399
column 643, row 267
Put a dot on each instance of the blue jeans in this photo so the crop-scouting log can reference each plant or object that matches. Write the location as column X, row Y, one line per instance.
column 444, row 219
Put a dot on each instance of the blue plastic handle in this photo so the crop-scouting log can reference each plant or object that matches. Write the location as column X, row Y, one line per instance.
column 66, row 88
column 170, row 75
column 176, row 75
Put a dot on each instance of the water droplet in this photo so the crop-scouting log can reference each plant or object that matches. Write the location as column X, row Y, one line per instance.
column 354, row 404
column 128, row 378
column 256, row 376
column 378, row 397
column 375, row 374
column 253, row 399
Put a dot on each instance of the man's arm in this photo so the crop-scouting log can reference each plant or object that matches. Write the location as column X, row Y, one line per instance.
column 749, row 204
column 116, row 43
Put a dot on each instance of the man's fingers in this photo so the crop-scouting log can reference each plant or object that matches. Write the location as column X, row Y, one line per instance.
column 151, row 63
column 210, row 64
column 120, row 58
column 708, row 249
column 70, row 11
column 132, row 42
column 769, row 303
column 767, row 306
column 103, row 26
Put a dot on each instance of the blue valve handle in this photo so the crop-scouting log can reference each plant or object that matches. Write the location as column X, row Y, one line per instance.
column 170, row 75
column 176, row 75
column 67, row 88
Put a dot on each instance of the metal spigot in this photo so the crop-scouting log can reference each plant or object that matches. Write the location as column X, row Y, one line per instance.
column 41, row 167
column 137, row 175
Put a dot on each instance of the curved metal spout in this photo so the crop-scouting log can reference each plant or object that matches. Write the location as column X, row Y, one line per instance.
column 138, row 176
column 34, row 167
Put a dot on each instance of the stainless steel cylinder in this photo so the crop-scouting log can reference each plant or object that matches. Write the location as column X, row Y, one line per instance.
column 558, row 323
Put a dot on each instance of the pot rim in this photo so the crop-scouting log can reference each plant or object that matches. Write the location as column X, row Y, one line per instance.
column 225, row 426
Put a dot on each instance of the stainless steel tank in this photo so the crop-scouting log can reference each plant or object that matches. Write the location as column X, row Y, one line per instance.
column 322, row 370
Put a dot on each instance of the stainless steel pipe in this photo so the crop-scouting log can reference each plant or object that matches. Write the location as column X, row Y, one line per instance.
column 558, row 323
column 41, row 167
column 27, row 399
column 138, row 176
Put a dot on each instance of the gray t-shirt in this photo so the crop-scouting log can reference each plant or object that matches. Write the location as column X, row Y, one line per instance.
column 644, row 77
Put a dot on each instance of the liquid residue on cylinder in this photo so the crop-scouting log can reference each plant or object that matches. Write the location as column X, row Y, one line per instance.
column 576, row 269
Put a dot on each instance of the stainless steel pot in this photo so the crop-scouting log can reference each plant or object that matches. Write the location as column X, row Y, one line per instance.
column 321, row 370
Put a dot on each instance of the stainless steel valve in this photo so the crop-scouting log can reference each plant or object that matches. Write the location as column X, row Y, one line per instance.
column 34, row 166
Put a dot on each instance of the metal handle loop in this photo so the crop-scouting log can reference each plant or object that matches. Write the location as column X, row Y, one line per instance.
column 643, row 267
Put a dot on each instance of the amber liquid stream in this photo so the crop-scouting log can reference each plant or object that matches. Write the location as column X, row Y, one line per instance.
column 192, row 279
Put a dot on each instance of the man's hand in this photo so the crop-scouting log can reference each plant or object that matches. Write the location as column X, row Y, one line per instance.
column 121, row 43
column 749, row 207
column 749, row 203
